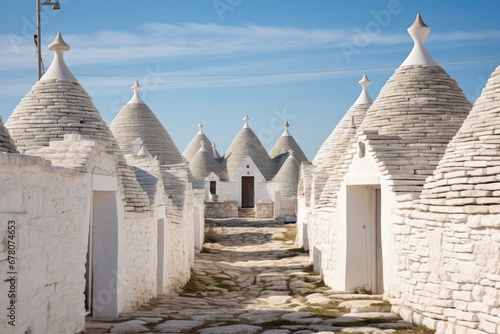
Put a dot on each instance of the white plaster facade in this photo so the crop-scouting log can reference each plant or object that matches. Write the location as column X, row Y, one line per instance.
column 427, row 210
column 88, row 233
column 50, row 208
column 246, row 157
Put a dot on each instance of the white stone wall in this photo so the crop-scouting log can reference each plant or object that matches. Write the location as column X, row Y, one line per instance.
column 50, row 208
column 284, row 206
column 449, row 272
column 260, row 183
column 264, row 210
column 304, row 208
column 226, row 209
column 178, row 236
column 199, row 219
column 321, row 232
column 303, row 217
column 341, row 240
column 139, row 279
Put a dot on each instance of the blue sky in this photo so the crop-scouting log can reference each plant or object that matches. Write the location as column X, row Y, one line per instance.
column 217, row 60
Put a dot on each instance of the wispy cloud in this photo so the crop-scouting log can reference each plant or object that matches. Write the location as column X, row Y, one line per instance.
column 155, row 41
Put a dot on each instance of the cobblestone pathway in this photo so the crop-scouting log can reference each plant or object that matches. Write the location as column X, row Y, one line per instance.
column 253, row 280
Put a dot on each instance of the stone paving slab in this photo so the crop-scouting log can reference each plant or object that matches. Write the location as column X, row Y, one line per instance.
column 248, row 282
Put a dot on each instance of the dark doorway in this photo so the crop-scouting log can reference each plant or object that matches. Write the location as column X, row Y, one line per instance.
column 213, row 187
column 247, row 192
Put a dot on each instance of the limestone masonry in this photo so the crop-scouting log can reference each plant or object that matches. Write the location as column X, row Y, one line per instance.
column 402, row 200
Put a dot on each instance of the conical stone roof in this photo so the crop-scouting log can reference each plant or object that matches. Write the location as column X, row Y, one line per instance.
column 330, row 151
column 136, row 120
column 203, row 163
column 194, row 145
column 467, row 177
column 6, row 143
column 287, row 179
column 334, row 155
column 246, row 143
column 329, row 183
column 416, row 114
column 285, row 143
column 58, row 105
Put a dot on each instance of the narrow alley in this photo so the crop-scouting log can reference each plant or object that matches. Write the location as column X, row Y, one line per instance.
column 250, row 278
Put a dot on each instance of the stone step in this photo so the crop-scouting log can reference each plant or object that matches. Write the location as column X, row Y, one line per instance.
column 246, row 213
column 366, row 306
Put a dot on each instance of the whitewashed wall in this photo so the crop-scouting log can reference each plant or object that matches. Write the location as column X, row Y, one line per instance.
column 284, row 206
column 50, row 207
column 198, row 218
column 260, row 183
column 139, row 279
column 337, row 240
column 304, row 208
column 450, row 272
column 179, row 227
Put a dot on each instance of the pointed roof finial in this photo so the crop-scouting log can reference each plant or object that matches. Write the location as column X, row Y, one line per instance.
column 286, row 133
column 419, row 54
column 364, row 97
column 58, row 69
column 143, row 152
column 136, row 145
column 246, row 119
column 290, row 152
column 202, row 146
column 215, row 154
column 136, row 98
column 200, row 128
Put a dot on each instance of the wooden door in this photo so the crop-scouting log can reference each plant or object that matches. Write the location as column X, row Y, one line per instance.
column 247, row 192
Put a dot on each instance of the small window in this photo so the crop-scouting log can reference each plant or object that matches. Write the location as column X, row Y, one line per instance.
column 213, row 187
column 248, row 166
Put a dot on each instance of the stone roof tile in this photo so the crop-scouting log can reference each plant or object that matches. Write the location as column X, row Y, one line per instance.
column 285, row 143
column 136, row 120
column 6, row 143
column 58, row 106
column 333, row 156
column 203, row 163
column 468, row 172
column 287, row 179
column 194, row 145
column 415, row 116
column 246, row 143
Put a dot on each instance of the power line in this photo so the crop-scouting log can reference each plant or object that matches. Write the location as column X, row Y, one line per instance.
column 338, row 70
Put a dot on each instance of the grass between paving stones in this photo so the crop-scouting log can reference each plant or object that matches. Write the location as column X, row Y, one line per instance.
column 226, row 286
column 291, row 232
column 205, row 250
column 297, row 250
column 362, row 291
column 320, row 284
column 322, row 312
column 289, row 235
column 310, row 269
column 192, row 289
column 277, row 323
column 384, row 303
column 367, row 322
column 191, row 286
column 415, row 330
column 213, row 235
